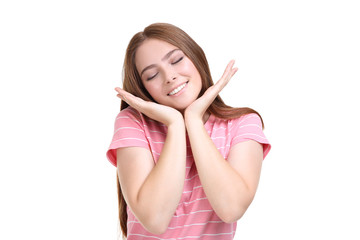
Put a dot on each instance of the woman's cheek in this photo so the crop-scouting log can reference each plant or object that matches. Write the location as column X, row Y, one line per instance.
column 190, row 68
column 154, row 90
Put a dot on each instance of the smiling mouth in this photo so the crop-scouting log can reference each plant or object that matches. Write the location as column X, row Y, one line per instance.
column 178, row 89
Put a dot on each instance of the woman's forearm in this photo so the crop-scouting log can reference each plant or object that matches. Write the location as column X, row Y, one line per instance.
column 224, row 187
column 161, row 192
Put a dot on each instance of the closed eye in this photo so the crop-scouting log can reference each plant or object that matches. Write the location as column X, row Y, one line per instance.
column 177, row 60
column 149, row 78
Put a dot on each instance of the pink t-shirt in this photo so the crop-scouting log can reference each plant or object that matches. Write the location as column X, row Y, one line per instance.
column 194, row 217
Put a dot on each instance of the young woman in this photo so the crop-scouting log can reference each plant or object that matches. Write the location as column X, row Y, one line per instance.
column 188, row 165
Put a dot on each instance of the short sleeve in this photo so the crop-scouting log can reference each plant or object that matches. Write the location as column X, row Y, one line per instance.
column 128, row 132
column 249, row 127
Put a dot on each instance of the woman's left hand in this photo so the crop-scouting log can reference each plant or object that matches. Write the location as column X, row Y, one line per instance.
column 198, row 108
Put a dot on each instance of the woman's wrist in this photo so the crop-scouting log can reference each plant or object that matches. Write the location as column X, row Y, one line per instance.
column 177, row 123
column 195, row 118
column 193, row 122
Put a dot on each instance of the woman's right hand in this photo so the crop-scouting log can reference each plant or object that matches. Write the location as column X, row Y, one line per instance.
column 161, row 113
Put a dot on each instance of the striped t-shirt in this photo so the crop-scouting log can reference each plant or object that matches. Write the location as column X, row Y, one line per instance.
column 194, row 217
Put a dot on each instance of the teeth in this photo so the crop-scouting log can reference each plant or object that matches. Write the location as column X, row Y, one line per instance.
column 176, row 90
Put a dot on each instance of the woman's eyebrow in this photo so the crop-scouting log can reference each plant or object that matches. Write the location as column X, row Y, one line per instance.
column 163, row 59
column 169, row 54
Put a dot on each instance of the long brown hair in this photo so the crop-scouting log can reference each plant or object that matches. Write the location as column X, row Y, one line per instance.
column 133, row 84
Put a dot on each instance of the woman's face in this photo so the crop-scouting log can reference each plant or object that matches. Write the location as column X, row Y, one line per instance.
column 167, row 74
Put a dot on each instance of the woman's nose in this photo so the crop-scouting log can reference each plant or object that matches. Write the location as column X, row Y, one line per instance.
column 171, row 79
column 170, row 76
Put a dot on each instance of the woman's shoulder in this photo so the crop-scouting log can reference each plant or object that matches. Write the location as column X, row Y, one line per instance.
column 133, row 115
column 241, row 120
column 128, row 117
column 248, row 120
column 129, row 112
column 249, row 117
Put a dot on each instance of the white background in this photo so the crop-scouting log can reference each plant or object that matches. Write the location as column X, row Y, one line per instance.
column 299, row 64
